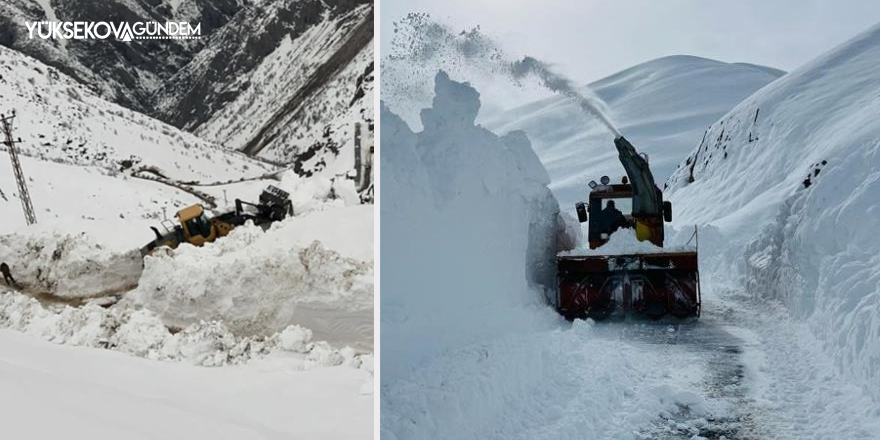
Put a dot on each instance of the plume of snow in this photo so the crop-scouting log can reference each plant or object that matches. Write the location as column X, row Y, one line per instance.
column 422, row 46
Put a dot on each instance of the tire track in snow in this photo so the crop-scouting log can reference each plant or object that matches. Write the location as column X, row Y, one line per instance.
column 794, row 387
column 721, row 353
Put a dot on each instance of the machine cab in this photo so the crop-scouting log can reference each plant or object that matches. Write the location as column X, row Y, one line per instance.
column 197, row 228
column 608, row 209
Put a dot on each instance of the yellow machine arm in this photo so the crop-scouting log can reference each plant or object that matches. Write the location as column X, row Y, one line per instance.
column 648, row 208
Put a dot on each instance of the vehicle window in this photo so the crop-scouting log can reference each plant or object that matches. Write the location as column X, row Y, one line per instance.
column 624, row 205
column 199, row 226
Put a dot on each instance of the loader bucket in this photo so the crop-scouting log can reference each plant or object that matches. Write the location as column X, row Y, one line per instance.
column 649, row 285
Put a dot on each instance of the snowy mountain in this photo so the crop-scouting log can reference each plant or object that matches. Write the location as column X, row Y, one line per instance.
column 286, row 112
column 67, row 130
column 123, row 72
column 243, row 90
column 790, row 176
column 237, row 85
column 662, row 106
column 63, row 121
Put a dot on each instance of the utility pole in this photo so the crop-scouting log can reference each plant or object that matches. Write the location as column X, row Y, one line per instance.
column 23, row 193
column 358, row 168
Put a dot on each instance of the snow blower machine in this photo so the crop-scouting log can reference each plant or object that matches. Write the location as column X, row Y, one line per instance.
column 653, row 283
column 194, row 226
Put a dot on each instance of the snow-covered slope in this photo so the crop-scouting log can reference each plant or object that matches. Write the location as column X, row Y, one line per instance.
column 285, row 79
column 79, row 150
column 791, row 177
column 662, row 106
column 63, row 121
column 127, row 72
column 315, row 130
column 281, row 79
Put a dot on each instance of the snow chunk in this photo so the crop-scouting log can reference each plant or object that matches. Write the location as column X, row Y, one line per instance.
column 322, row 354
column 295, row 338
column 624, row 242
column 143, row 334
column 68, row 265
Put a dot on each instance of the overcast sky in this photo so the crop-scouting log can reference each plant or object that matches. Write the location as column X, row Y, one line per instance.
column 590, row 39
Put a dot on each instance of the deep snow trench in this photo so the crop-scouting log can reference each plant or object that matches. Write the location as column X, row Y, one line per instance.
column 472, row 352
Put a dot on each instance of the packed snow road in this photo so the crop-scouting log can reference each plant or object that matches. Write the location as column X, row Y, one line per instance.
column 744, row 370
column 718, row 357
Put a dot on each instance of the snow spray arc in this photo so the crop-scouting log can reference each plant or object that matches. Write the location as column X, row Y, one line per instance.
column 122, row 31
column 421, row 46
column 588, row 102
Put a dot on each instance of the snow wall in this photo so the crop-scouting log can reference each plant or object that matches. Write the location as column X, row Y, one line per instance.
column 66, row 265
column 142, row 333
column 257, row 282
column 469, row 227
column 791, row 178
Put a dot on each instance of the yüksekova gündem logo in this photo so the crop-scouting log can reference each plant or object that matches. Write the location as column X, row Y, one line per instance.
column 122, row 31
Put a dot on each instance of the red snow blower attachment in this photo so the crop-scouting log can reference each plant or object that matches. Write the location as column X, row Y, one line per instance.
column 651, row 284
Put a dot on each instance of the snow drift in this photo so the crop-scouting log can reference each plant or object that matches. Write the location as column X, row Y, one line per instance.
column 470, row 227
column 791, row 177
column 254, row 281
column 141, row 333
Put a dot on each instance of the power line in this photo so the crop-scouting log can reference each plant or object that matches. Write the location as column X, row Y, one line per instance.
column 23, row 194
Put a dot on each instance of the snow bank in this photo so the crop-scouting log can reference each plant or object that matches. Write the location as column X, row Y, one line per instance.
column 790, row 176
column 141, row 333
column 317, row 193
column 571, row 383
column 469, row 227
column 72, row 266
column 254, row 281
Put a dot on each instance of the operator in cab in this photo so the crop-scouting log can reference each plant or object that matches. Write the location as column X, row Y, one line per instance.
column 614, row 219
